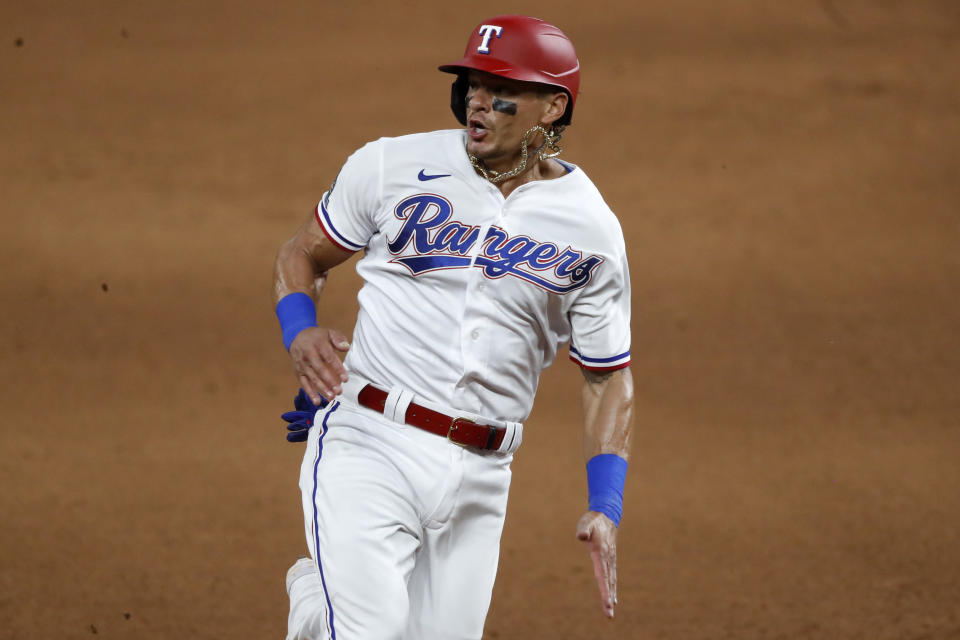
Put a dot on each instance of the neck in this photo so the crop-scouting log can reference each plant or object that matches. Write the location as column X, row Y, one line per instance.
column 501, row 165
column 536, row 170
column 526, row 166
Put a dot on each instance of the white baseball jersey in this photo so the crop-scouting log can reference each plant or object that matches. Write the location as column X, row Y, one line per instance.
column 468, row 295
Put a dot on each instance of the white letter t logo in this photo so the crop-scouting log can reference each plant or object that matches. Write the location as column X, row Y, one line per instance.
column 487, row 30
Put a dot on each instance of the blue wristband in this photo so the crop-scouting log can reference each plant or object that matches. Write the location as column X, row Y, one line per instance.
column 606, row 475
column 296, row 312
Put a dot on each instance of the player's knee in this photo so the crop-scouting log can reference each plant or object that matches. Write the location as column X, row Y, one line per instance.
column 380, row 618
column 311, row 626
column 309, row 620
column 391, row 618
column 368, row 604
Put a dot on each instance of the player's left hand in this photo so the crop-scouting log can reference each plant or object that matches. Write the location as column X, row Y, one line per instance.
column 302, row 418
column 600, row 535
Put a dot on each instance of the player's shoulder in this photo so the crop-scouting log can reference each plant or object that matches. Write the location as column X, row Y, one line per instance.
column 386, row 153
column 579, row 192
column 577, row 184
column 392, row 152
column 443, row 138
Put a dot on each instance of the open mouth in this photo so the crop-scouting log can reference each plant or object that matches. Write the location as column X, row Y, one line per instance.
column 476, row 129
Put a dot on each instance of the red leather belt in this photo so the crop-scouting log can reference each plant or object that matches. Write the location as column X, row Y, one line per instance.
column 462, row 431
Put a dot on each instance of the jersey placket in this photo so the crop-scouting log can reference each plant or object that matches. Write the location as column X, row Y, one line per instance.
column 475, row 339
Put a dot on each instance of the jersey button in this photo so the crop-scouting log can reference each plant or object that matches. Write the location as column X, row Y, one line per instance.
column 475, row 334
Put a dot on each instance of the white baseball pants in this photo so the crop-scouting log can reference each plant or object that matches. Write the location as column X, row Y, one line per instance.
column 404, row 528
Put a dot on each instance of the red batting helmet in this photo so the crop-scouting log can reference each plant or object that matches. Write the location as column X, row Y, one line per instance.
column 519, row 48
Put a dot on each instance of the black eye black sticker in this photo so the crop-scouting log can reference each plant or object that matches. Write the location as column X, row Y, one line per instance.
column 505, row 106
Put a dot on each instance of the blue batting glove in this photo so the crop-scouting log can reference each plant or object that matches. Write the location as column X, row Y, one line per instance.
column 302, row 418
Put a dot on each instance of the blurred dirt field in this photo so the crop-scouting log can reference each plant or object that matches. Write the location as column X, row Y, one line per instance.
column 788, row 178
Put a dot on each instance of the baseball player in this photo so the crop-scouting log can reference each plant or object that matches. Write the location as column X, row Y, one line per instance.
column 484, row 253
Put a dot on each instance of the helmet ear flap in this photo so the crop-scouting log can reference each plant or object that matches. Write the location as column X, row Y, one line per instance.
column 458, row 98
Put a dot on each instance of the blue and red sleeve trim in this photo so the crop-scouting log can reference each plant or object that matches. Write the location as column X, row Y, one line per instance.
column 337, row 238
column 612, row 363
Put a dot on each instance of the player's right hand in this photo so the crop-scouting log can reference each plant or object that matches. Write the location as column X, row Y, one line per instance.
column 316, row 362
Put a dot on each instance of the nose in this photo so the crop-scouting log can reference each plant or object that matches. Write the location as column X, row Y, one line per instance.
column 478, row 99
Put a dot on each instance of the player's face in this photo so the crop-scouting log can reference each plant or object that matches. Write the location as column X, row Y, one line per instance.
column 499, row 112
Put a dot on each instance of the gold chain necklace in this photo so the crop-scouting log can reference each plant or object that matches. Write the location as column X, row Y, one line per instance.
column 550, row 148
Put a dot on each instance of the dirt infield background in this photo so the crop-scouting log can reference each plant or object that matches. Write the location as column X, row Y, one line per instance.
column 788, row 178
